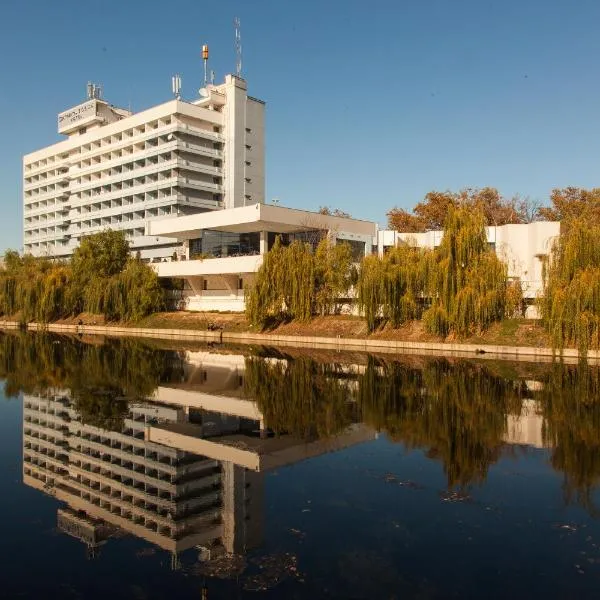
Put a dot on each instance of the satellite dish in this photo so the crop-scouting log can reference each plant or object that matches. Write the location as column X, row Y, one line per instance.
column 203, row 92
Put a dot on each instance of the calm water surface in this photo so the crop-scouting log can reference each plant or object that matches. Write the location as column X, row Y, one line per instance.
column 132, row 470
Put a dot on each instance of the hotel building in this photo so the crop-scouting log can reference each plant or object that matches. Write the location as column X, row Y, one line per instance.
column 121, row 170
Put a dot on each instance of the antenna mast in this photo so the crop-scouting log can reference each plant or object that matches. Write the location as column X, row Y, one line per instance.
column 205, row 59
column 238, row 47
column 176, row 86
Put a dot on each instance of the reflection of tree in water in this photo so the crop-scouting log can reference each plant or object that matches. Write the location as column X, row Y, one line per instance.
column 300, row 396
column 101, row 379
column 458, row 411
column 571, row 407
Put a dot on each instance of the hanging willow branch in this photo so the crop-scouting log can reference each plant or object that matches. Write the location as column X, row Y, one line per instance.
column 390, row 289
column 570, row 306
column 467, row 282
column 295, row 283
column 101, row 279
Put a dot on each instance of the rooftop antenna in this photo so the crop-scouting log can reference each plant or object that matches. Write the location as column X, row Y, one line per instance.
column 238, row 47
column 205, row 59
column 212, row 77
column 94, row 91
column 176, row 86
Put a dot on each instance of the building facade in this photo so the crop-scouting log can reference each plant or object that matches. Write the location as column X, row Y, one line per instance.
column 523, row 247
column 218, row 254
column 121, row 170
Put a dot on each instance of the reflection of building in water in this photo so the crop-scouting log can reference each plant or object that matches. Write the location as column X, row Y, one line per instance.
column 220, row 423
column 185, row 470
column 526, row 428
column 171, row 498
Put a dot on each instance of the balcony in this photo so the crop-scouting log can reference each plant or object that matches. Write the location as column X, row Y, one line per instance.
column 234, row 265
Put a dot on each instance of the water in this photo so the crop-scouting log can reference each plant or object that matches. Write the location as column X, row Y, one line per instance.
column 132, row 469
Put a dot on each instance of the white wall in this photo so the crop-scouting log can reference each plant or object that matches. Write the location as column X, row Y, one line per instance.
column 521, row 247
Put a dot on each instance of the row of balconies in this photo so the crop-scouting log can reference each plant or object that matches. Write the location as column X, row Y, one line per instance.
column 167, row 203
column 149, row 167
column 101, row 151
column 60, row 175
column 66, row 160
column 57, row 192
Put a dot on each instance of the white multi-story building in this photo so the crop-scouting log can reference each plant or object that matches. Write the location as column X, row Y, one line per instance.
column 120, row 170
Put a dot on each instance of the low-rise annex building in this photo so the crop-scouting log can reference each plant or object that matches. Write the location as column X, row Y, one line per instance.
column 219, row 253
column 523, row 247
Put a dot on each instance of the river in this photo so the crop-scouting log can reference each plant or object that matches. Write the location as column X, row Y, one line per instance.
column 143, row 469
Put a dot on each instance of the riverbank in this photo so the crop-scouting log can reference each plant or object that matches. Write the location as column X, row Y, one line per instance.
column 513, row 339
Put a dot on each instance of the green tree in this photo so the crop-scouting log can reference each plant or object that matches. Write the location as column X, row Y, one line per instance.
column 100, row 255
column 390, row 289
column 570, row 306
column 467, row 282
column 333, row 263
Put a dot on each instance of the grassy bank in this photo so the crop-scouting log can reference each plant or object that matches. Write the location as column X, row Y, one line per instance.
column 510, row 332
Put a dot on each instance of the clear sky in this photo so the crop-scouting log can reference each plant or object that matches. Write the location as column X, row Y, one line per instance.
column 369, row 104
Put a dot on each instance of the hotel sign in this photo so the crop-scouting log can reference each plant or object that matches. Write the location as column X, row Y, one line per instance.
column 70, row 118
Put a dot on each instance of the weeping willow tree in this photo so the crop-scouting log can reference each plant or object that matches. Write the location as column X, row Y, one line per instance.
column 293, row 282
column 390, row 289
column 101, row 279
column 34, row 288
column 570, row 306
column 570, row 404
column 467, row 282
column 457, row 412
column 300, row 397
column 333, row 275
column 129, row 295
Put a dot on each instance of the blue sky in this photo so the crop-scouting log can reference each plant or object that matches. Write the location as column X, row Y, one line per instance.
column 369, row 104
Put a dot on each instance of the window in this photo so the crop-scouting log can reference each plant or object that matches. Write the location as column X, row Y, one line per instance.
column 357, row 248
column 82, row 131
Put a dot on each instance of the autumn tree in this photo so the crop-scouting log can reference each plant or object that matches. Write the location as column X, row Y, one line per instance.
column 573, row 203
column 431, row 213
column 333, row 212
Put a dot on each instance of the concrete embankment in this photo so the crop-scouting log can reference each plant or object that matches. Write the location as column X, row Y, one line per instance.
column 377, row 346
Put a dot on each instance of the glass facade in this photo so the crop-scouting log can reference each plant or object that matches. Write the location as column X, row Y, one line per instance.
column 357, row 248
column 221, row 244
column 311, row 236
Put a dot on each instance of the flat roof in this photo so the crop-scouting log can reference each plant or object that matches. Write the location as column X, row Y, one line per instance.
column 257, row 217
